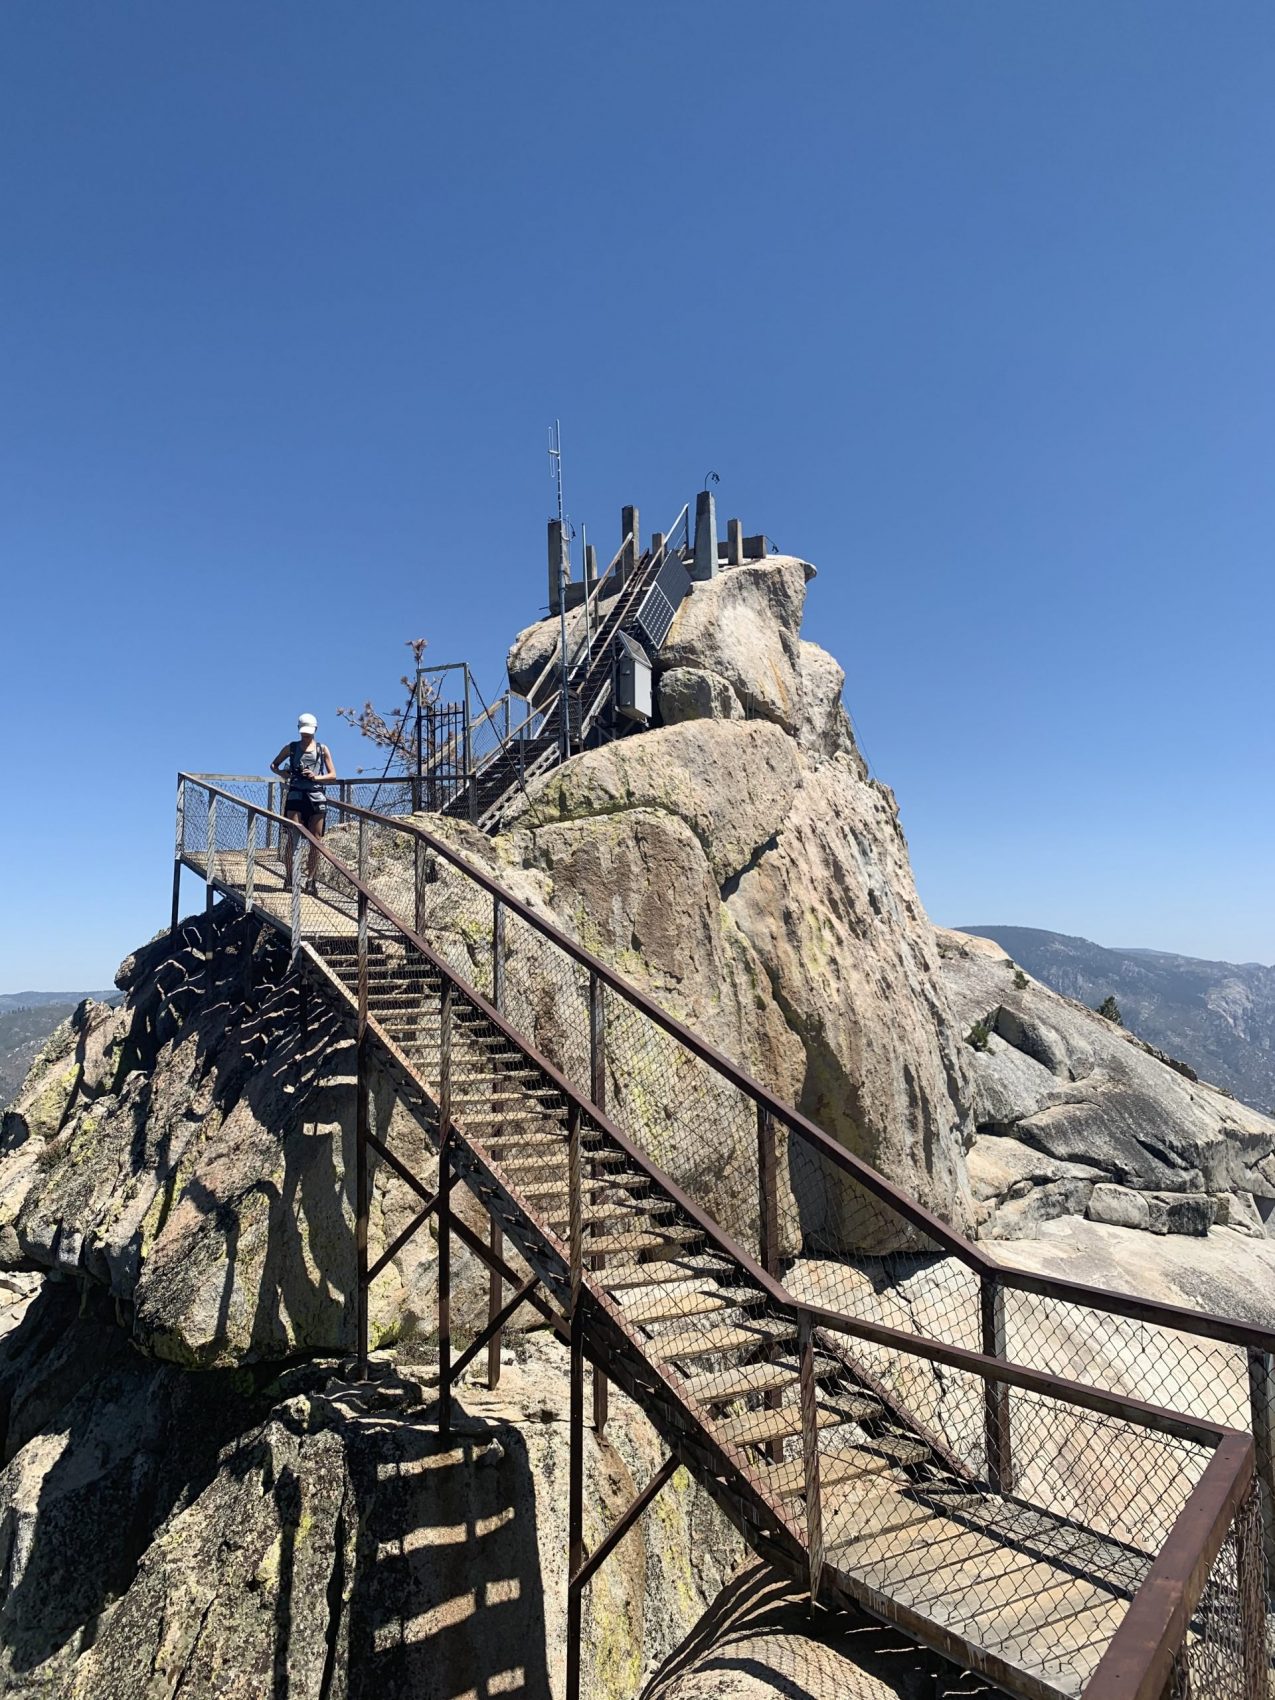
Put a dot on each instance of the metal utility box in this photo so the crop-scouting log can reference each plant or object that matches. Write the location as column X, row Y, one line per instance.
column 632, row 679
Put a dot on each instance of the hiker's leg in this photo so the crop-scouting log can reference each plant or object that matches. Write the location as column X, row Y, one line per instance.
column 317, row 823
column 289, row 846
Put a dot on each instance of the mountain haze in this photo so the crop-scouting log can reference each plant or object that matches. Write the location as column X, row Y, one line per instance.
column 1219, row 1017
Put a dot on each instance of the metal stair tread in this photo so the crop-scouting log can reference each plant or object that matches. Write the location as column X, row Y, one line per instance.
column 764, row 1424
column 672, row 1241
column 672, row 1307
column 788, row 1480
column 701, row 1342
column 629, row 1277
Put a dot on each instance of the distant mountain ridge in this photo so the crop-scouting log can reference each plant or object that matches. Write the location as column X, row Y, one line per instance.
column 1217, row 1016
column 26, row 1021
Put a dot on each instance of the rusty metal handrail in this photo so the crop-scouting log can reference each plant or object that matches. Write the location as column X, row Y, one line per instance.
column 1154, row 1629
column 1138, row 1662
column 1232, row 1330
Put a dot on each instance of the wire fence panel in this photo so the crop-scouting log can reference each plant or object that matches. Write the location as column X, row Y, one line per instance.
column 770, row 1303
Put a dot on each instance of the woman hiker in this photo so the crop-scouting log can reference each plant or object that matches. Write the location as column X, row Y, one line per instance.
column 306, row 763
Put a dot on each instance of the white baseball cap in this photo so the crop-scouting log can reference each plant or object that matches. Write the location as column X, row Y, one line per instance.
column 307, row 723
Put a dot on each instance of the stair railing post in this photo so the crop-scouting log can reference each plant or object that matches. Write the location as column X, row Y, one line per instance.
column 210, row 853
column 1251, row 1582
column 1261, row 1393
column 445, row 1208
column 179, row 845
column 210, row 896
column 296, row 891
column 598, row 1093
column 768, row 1229
column 996, row 1432
column 418, row 884
column 575, row 1480
column 767, row 1191
column 363, row 1115
column 496, row 1237
column 250, row 863
column 810, row 1454
column 272, row 803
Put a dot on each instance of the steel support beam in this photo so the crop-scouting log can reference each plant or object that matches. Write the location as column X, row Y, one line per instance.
column 996, row 1431
column 1261, row 1391
column 598, row 1093
column 445, row 1210
column 589, row 1569
column 495, row 1324
column 495, row 1285
column 363, row 1129
column 575, row 1505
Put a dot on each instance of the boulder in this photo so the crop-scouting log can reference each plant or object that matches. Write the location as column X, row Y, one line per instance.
column 234, row 1535
column 776, row 914
column 1119, row 1207
column 1060, row 1079
column 693, row 693
column 200, row 1166
column 743, row 625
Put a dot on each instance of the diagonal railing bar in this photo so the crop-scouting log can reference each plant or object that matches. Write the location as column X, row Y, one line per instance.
column 1232, row 1330
column 659, row 1295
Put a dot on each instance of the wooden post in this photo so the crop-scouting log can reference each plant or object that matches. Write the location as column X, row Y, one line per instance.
column 445, row 1209
column 996, row 1433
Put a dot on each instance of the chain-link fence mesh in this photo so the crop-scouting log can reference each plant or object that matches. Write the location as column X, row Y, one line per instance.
column 1229, row 1648
column 798, row 1205
column 1022, row 1521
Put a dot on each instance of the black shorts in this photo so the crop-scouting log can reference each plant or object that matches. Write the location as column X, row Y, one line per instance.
column 310, row 809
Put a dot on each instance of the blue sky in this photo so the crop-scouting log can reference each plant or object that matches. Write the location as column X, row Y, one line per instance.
column 969, row 304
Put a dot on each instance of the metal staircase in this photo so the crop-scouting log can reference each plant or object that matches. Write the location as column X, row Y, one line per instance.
column 1056, row 1537
column 643, row 592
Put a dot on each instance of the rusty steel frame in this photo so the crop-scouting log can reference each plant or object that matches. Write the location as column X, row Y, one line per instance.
column 1257, row 1341
column 1179, row 1572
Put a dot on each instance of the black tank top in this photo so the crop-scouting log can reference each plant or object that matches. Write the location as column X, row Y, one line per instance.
column 305, row 768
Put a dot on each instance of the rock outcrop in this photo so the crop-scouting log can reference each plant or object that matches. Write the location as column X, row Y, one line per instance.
column 1078, row 1117
column 739, row 864
column 256, row 1532
column 192, row 1152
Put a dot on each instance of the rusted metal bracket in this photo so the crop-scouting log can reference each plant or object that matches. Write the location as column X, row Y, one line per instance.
column 598, row 1558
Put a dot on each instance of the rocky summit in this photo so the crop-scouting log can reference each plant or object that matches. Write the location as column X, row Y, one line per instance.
column 197, row 1500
